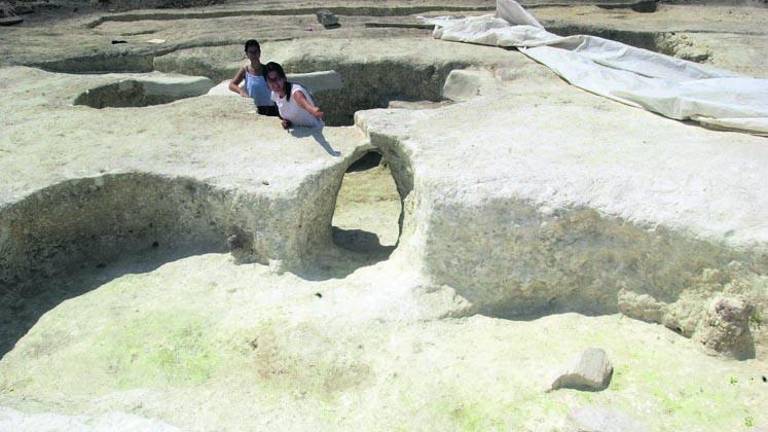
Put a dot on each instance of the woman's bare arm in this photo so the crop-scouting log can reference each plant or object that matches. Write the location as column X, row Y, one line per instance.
column 234, row 84
column 303, row 102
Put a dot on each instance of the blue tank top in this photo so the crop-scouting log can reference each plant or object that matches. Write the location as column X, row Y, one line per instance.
column 257, row 89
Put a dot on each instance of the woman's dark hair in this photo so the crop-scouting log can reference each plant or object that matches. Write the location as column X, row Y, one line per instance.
column 252, row 43
column 275, row 67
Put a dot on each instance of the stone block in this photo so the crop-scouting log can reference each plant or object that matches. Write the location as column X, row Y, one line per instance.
column 327, row 18
column 591, row 371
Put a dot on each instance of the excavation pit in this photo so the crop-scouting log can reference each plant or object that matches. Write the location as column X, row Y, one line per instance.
column 368, row 208
column 675, row 44
column 527, row 212
column 376, row 85
column 91, row 222
column 144, row 92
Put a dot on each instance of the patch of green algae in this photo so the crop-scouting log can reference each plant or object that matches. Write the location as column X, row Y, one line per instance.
column 719, row 405
column 159, row 348
column 473, row 414
column 476, row 417
column 468, row 408
column 682, row 404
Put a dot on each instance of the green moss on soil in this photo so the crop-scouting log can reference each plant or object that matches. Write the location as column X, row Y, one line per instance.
column 160, row 348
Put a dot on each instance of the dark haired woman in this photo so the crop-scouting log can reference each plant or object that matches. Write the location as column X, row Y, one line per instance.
column 255, row 78
column 294, row 102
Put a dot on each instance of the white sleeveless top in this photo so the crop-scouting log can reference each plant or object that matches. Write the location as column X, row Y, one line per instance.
column 291, row 111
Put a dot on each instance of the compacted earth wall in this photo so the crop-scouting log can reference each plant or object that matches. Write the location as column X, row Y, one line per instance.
column 513, row 258
column 92, row 221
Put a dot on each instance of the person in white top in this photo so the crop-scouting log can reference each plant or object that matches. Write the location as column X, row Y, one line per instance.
column 294, row 102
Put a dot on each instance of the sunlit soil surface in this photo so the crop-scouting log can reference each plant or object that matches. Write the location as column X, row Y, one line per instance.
column 367, row 210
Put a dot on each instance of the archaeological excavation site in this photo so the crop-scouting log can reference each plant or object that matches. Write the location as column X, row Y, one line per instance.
column 534, row 216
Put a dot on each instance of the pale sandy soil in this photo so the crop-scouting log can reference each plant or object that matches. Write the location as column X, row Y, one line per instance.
column 190, row 340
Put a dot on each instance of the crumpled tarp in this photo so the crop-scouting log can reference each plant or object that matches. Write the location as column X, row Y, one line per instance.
column 672, row 87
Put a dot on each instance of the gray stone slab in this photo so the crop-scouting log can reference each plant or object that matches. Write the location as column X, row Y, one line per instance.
column 590, row 371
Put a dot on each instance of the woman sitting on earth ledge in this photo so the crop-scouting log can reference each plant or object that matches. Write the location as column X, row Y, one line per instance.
column 294, row 102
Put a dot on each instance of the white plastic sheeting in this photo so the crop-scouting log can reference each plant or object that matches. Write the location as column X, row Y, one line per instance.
column 666, row 85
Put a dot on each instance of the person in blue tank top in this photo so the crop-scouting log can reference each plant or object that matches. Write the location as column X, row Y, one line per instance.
column 255, row 77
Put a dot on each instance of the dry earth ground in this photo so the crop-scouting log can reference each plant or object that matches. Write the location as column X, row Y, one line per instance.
column 131, row 315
